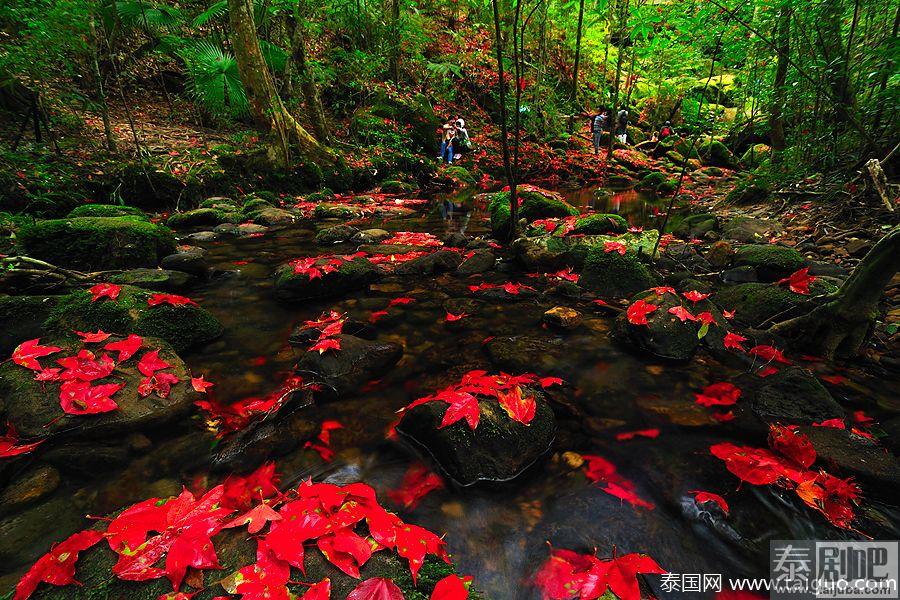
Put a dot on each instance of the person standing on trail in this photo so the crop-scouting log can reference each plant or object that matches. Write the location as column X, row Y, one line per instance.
column 622, row 126
column 448, row 131
column 598, row 124
column 461, row 144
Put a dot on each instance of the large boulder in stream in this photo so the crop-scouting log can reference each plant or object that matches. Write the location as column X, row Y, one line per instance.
column 794, row 395
column 34, row 407
column 498, row 449
column 552, row 252
column 534, row 203
column 358, row 362
column 442, row 261
column 183, row 326
column 295, row 283
column 614, row 274
column 771, row 262
column 97, row 243
column 756, row 303
column 665, row 335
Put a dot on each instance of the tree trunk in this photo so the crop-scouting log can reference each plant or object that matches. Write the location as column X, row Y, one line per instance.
column 395, row 41
column 511, row 175
column 577, row 52
column 837, row 75
column 268, row 111
column 314, row 110
column 613, row 116
column 776, row 120
column 101, row 93
column 841, row 325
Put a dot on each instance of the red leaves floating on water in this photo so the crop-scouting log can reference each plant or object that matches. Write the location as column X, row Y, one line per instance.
column 104, row 290
column 413, row 238
column 799, row 281
column 788, row 441
column 27, row 353
column 768, row 354
column 452, row 318
column 614, row 247
column 417, row 483
column 171, row 299
column 700, row 497
column 183, row 527
column 758, row 466
column 718, row 394
column 638, row 311
column 57, row 567
column 831, row 496
column 200, row 385
column 376, row 588
column 567, row 574
column 228, row 418
column 599, row 470
column 10, row 446
column 630, row 435
column 323, row 446
column 315, row 267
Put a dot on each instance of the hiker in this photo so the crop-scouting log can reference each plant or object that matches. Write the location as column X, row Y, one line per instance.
column 461, row 143
column 448, row 133
column 664, row 131
column 622, row 126
column 598, row 124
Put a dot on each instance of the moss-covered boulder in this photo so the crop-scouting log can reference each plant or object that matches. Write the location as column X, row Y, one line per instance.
column 772, row 262
column 649, row 181
column 160, row 280
column 717, row 154
column 794, row 395
column 33, row 407
column 695, row 225
column 534, row 203
column 358, row 362
column 182, row 326
column 552, row 252
column 328, row 210
column 274, row 216
column 614, row 274
column 106, row 210
column 749, row 191
column 335, row 235
column 667, row 187
column 198, row 216
column 755, row 303
column 665, row 335
column 22, row 318
column 601, row 224
column 756, row 154
column 459, row 175
column 296, row 285
column 394, row 186
column 97, row 243
column 499, row 449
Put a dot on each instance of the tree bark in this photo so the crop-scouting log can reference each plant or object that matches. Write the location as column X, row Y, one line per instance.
column 577, row 52
column 101, row 93
column 841, row 325
column 776, row 120
column 395, row 41
column 511, row 175
column 310, row 90
column 269, row 113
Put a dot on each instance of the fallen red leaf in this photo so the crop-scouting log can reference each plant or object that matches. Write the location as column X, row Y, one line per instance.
column 57, row 567
column 718, row 394
column 630, row 435
column 27, row 353
column 638, row 311
column 105, row 290
column 700, row 497
column 376, row 588
column 417, row 483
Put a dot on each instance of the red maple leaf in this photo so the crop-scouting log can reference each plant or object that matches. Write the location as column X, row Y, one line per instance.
column 171, row 299
column 630, row 435
column 451, row 318
column 664, row 289
column 78, row 397
column 418, row 482
column 638, row 311
column 831, row 496
column 27, row 353
column 91, row 338
column 451, row 587
column 10, row 446
column 614, row 247
column 126, row 348
column 463, row 405
column 682, row 313
column 695, row 296
column 700, row 497
column 402, row 300
column 799, row 281
column 57, row 567
column 621, row 576
column 150, row 363
column 758, row 466
column 266, row 579
column 718, row 394
column 200, row 385
column 104, row 290
column 376, row 588
column 734, row 341
column 255, row 518
column 318, row 591
column 788, row 441
column 183, row 527
column 243, row 491
column 768, row 354
column 324, row 345
column 518, row 408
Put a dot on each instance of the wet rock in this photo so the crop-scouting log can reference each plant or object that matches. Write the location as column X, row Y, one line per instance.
column 535, row 203
column 230, row 228
column 263, row 440
column 665, row 335
column 370, row 236
column 274, row 216
column 28, row 488
column 22, row 318
column 198, row 216
column 159, row 280
column 326, row 210
column 827, row 269
column 720, row 254
column 97, row 243
column 248, row 229
column 524, row 354
column 614, row 274
column 696, row 225
column 755, row 303
column 771, row 262
column 88, row 459
column 298, row 287
column 794, row 395
column 220, row 203
column 480, row 261
column 740, row 275
column 33, row 407
column 28, row 534
column 601, row 224
column 455, row 240
column 750, row 229
column 442, row 261
column 547, row 253
column 182, row 326
column 203, row 236
column 853, row 455
column 358, row 362
column 335, row 235
column 499, row 449
column 562, row 317
column 188, row 259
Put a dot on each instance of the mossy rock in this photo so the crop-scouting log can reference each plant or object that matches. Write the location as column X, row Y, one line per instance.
column 667, row 187
column 717, row 154
column 393, row 186
column 499, row 449
column 675, row 157
column 535, row 203
column 651, row 180
column 182, row 326
column 160, row 280
column 198, row 216
column 106, row 210
column 97, row 243
column 254, row 205
column 350, row 276
column 33, row 407
column 665, row 335
column 755, row 303
column 460, row 174
column 749, row 191
column 323, row 195
column 601, row 223
column 327, row 210
column 694, row 226
column 22, row 318
column 551, row 252
column 772, row 262
column 614, row 274
column 756, row 154
column 220, row 203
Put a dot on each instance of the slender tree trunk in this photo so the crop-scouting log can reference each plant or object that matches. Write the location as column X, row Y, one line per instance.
column 395, row 41
column 267, row 108
column 504, row 132
column 314, row 110
column 101, row 93
column 613, row 113
column 577, row 52
column 887, row 70
column 776, row 120
column 833, row 50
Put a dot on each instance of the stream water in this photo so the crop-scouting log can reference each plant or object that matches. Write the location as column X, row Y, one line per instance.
column 499, row 533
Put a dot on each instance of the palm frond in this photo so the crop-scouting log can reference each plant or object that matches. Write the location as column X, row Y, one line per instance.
column 215, row 11
column 138, row 13
column 214, row 79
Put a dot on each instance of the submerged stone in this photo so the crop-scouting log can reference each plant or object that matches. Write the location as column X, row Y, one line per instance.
column 355, row 364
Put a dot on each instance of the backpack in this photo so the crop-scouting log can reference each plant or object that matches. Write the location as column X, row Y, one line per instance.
column 665, row 132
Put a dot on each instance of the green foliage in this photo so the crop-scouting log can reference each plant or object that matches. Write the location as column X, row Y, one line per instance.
column 214, row 79
column 148, row 15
